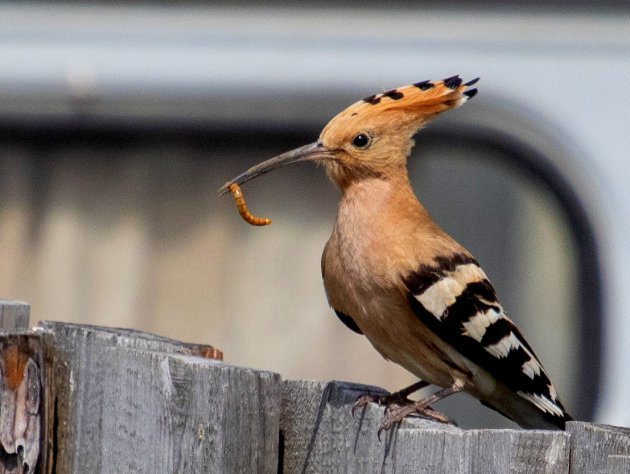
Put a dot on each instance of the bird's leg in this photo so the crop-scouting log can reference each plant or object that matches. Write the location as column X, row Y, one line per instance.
column 399, row 397
column 421, row 407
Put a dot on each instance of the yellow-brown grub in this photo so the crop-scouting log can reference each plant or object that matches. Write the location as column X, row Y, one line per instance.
column 247, row 216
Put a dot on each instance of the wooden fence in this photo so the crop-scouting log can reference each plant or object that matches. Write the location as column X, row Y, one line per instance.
column 86, row 399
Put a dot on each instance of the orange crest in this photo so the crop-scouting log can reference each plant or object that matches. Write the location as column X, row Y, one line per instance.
column 407, row 107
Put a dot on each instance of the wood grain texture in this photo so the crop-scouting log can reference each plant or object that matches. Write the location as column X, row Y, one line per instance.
column 116, row 400
column 14, row 315
column 20, row 397
column 618, row 464
column 125, row 401
column 593, row 447
column 320, row 435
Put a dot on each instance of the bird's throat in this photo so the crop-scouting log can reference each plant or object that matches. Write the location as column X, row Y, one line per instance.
column 375, row 220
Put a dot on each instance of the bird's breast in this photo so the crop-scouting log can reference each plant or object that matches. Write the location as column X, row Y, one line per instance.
column 383, row 315
column 377, row 240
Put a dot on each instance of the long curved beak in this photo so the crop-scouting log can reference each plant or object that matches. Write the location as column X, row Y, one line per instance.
column 313, row 152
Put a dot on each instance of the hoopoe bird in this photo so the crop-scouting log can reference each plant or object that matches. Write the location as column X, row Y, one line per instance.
column 393, row 275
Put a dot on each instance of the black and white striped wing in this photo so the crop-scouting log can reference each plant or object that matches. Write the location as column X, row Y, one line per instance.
column 455, row 300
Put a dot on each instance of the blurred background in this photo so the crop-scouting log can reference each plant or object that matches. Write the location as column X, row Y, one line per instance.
column 119, row 123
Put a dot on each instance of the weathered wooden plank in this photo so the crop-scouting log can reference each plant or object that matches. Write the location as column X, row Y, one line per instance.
column 133, row 402
column 118, row 400
column 20, row 382
column 20, row 396
column 320, row 435
column 194, row 415
column 593, row 444
column 124, row 401
column 14, row 315
column 618, row 464
column 518, row 451
column 82, row 336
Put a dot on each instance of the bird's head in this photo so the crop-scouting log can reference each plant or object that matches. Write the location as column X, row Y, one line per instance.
column 373, row 136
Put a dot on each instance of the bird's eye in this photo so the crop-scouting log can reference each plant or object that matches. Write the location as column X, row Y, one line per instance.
column 362, row 140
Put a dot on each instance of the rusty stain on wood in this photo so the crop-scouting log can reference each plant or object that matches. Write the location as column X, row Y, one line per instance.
column 209, row 352
column 20, row 395
column 14, row 363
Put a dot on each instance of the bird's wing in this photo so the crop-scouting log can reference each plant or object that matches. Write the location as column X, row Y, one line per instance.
column 453, row 297
column 348, row 322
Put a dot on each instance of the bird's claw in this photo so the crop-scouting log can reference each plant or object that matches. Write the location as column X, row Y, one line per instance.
column 390, row 400
column 435, row 415
column 386, row 425
column 395, row 414
column 363, row 400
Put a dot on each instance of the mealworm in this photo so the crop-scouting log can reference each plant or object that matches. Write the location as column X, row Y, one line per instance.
column 247, row 216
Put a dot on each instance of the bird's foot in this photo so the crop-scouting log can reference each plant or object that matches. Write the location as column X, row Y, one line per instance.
column 396, row 398
column 395, row 414
column 365, row 399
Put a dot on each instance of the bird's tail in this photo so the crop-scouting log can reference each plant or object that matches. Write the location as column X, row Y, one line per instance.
column 526, row 414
